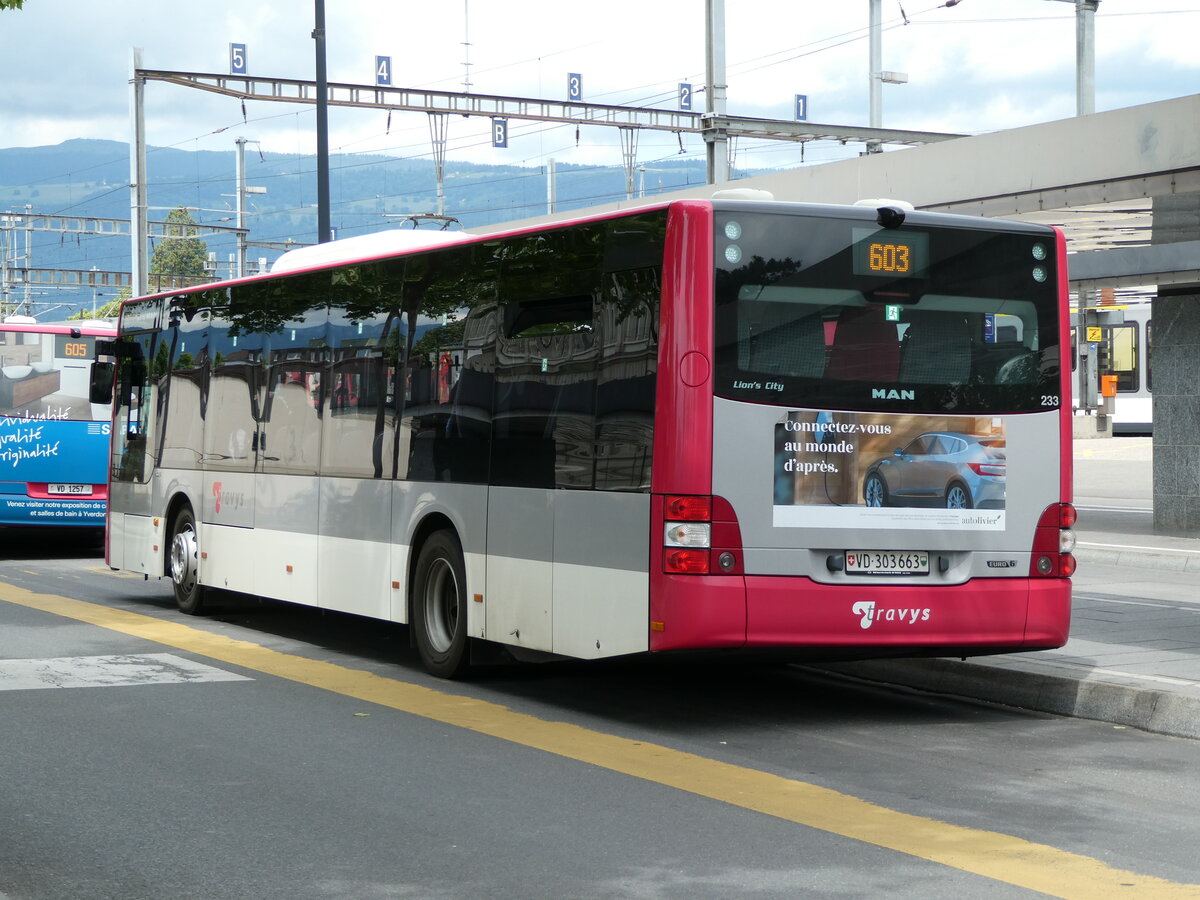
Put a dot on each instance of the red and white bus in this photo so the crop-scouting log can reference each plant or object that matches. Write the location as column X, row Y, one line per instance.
column 718, row 424
column 53, row 441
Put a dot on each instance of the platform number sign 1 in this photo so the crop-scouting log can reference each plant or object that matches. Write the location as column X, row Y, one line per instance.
column 574, row 86
column 685, row 96
column 801, row 107
column 499, row 132
column 383, row 71
column 237, row 59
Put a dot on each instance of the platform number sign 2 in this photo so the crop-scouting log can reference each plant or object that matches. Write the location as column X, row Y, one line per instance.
column 383, row 71
column 237, row 59
column 685, row 96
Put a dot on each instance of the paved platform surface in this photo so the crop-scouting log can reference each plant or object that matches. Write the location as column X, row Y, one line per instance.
column 1134, row 654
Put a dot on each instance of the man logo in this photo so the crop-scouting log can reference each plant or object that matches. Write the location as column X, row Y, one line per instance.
column 892, row 394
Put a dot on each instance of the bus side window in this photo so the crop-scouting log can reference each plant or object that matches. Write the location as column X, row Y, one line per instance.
column 625, row 388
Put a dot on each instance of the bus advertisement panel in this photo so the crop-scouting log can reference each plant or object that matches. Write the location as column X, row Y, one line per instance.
column 726, row 425
column 53, row 441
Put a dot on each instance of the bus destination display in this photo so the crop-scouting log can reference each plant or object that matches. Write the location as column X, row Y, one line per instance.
column 890, row 253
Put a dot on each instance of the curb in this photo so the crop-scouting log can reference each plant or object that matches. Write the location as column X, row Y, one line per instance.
column 1100, row 694
column 1162, row 559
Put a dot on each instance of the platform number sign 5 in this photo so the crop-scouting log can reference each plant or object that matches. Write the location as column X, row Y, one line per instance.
column 574, row 86
column 383, row 71
column 237, row 59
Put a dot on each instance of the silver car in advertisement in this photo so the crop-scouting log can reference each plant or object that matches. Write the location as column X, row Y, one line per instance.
column 940, row 468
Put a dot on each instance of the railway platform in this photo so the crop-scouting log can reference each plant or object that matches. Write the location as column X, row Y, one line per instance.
column 1133, row 658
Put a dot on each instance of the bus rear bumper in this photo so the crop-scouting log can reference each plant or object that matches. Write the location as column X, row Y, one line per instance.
column 985, row 615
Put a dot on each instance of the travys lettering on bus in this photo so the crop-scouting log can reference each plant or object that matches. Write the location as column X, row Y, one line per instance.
column 877, row 470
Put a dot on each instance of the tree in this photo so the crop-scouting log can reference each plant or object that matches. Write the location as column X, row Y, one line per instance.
column 11, row 4
column 179, row 252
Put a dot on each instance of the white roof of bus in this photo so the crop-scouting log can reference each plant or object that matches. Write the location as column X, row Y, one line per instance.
column 365, row 246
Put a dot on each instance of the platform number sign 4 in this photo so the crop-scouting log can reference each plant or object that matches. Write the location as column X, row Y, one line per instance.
column 383, row 71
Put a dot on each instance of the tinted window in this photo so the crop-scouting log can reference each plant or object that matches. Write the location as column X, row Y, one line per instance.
column 449, row 302
column 547, row 360
column 840, row 313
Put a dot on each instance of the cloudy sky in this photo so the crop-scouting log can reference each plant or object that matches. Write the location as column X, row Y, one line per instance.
column 981, row 65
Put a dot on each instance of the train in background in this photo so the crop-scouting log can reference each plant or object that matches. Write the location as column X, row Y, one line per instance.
column 1125, row 351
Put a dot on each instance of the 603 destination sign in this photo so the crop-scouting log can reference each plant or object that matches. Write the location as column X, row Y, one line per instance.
column 888, row 253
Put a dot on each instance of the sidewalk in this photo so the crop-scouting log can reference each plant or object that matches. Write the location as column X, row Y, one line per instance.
column 1134, row 654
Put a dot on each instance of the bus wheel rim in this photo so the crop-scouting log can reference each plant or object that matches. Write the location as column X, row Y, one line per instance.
column 183, row 559
column 441, row 605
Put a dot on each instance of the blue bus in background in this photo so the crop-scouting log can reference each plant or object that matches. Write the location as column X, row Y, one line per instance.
column 54, row 443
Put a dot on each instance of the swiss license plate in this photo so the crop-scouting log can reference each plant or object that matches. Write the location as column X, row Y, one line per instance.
column 68, row 489
column 887, row 562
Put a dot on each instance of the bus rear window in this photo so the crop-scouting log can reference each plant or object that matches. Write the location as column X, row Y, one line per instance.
column 45, row 375
column 832, row 314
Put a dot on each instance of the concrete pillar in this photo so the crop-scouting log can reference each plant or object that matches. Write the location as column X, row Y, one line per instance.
column 1176, row 370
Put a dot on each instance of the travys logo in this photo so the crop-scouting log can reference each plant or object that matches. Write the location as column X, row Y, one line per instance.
column 868, row 614
column 230, row 499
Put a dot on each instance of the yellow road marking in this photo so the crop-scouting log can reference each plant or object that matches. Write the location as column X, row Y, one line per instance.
column 1001, row 857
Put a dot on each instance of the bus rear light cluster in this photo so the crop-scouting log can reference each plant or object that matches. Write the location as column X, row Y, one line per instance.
column 1053, row 541
column 701, row 536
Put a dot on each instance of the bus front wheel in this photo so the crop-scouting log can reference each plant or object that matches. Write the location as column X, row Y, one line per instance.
column 439, row 613
column 185, row 564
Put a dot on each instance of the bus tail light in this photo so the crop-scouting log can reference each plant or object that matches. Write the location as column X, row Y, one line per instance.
column 1053, row 541
column 701, row 536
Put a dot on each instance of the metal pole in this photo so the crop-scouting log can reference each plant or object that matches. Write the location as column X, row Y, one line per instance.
column 138, row 226
column 240, row 191
column 715, row 136
column 437, row 134
column 323, row 225
column 1085, row 56
column 875, row 75
column 551, row 200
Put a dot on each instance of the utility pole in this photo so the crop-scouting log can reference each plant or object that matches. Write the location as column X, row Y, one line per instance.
column 240, row 192
column 716, row 137
column 138, row 226
column 878, row 77
column 323, row 224
column 1085, row 56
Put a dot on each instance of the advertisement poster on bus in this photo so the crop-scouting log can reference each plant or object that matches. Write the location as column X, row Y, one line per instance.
column 48, row 468
column 876, row 470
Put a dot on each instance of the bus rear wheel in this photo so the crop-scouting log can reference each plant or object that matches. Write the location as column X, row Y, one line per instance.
column 190, row 594
column 439, row 606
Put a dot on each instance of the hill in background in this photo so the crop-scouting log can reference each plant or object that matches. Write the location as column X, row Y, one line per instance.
column 91, row 178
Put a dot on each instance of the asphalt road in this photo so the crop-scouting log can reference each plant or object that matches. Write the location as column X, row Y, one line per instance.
column 271, row 751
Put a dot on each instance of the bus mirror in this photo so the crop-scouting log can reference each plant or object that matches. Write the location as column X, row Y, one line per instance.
column 101, row 387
